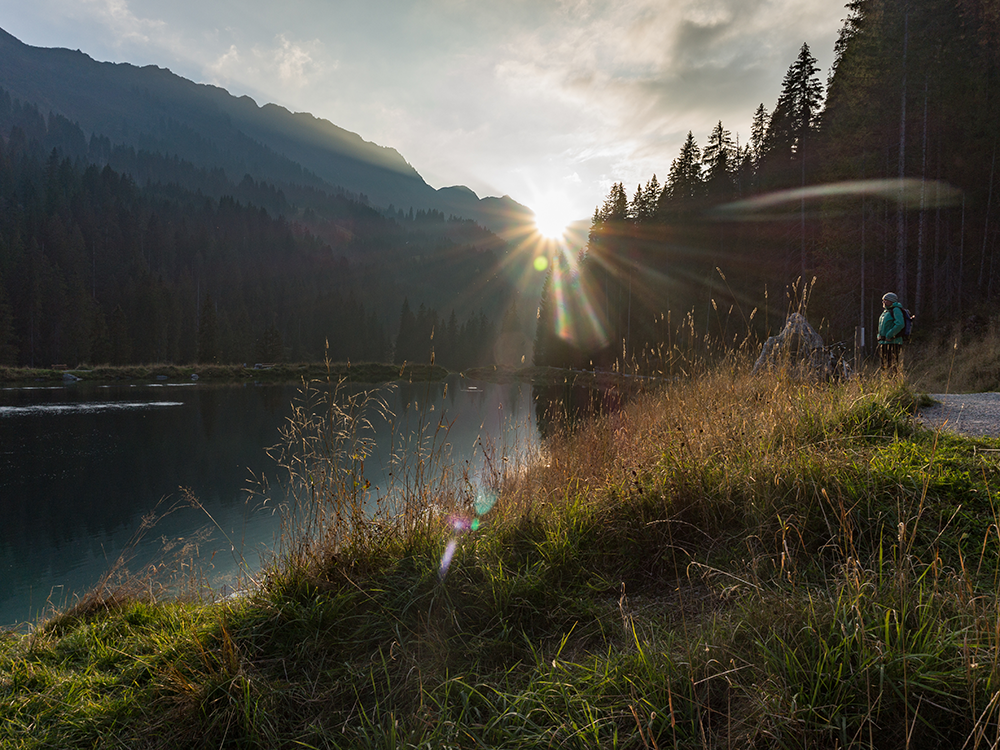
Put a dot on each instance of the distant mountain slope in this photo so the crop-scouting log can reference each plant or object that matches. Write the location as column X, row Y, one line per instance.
column 151, row 108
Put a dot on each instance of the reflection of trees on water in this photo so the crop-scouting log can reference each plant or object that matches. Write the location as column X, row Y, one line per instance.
column 566, row 405
column 274, row 399
column 81, row 473
column 513, row 397
column 209, row 411
column 420, row 396
column 76, row 484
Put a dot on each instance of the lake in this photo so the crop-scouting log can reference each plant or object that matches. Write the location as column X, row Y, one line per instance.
column 81, row 465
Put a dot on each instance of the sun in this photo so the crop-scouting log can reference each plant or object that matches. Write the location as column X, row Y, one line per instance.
column 550, row 226
column 553, row 214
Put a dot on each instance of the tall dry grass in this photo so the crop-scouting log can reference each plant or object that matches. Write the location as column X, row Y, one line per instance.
column 724, row 560
column 961, row 358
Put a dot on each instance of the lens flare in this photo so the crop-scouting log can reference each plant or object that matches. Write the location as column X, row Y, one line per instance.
column 576, row 316
column 483, row 504
column 553, row 214
column 449, row 553
column 577, row 321
column 908, row 192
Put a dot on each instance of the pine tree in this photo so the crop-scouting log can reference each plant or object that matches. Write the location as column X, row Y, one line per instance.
column 270, row 348
column 755, row 149
column 615, row 208
column 406, row 334
column 208, row 332
column 544, row 326
column 790, row 133
column 121, row 343
column 423, row 338
column 794, row 121
column 446, row 343
column 685, row 182
column 100, row 341
column 8, row 351
column 643, row 206
column 718, row 159
column 610, row 226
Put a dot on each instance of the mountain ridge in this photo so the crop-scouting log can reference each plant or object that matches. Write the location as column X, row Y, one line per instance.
column 137, row 106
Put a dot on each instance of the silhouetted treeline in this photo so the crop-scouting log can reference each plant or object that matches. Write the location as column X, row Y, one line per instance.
column 99, row 266
column 424, row 336
column 112, row 254
column 911, row 108
column 95, row 269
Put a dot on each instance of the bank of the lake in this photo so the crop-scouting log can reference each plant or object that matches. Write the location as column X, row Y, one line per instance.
column 730, row 562
column 362, row 372
column 282, row 372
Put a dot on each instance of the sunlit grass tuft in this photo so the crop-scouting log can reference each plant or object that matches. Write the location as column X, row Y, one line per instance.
column 724, row 561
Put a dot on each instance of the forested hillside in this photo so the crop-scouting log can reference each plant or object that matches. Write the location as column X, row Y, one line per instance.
column 98, row 267
column 881, row 179
column 152, row 110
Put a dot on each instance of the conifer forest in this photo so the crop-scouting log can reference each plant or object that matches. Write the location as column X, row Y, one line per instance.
column 882, row 177
column 187, row 266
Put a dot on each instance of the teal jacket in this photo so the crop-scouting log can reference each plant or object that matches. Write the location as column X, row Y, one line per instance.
column 891, row 325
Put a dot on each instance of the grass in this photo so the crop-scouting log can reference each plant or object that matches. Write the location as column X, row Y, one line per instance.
column 961, row 358
column 729, row 561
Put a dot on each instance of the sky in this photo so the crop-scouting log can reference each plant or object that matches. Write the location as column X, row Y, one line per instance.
column 548, row 101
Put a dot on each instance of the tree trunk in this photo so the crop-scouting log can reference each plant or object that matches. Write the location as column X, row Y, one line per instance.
column 986, row 226
column 918, row 292
column 900, row 211
column 936, row 270
column 802, row 212
column 961, row 257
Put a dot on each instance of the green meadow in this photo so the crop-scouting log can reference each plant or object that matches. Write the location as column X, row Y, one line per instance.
column 724, row 561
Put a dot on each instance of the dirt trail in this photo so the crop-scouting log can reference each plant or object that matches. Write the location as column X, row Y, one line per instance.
column 965, row 413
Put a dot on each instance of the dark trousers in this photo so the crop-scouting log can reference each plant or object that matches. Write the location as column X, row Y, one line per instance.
column 890, row 356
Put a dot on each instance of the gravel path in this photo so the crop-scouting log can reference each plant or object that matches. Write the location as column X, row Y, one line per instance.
column 965, row 413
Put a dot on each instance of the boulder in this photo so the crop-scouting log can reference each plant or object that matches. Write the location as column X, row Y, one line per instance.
column 797, row 349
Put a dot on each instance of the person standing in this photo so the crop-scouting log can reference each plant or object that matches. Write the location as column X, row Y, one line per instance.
column 890, row 332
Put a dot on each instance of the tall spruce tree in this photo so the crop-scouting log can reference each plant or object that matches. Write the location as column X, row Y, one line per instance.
column 685, row 181
column 788, row 143
column 642, row 209
column 8, row 351
column 718, row 159
column 793, row 123
column 755, row 148
column 208, row 332
column 405, row 350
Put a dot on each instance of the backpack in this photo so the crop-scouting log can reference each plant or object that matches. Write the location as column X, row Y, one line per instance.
column 907, row 324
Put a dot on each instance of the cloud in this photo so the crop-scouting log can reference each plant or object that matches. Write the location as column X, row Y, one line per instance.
column 500, row 96
column 187, row 37
column 638, row 74
column 294, row 61
column 119, row 18
column 282, row 66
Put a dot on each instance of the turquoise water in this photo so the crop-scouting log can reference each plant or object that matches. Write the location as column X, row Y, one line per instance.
column 82, row 465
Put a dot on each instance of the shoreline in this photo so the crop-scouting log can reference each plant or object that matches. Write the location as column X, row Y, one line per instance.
column 364, row 372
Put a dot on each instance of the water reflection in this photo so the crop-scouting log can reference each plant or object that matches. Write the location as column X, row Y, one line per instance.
column 564, row 405
column 81, row 465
